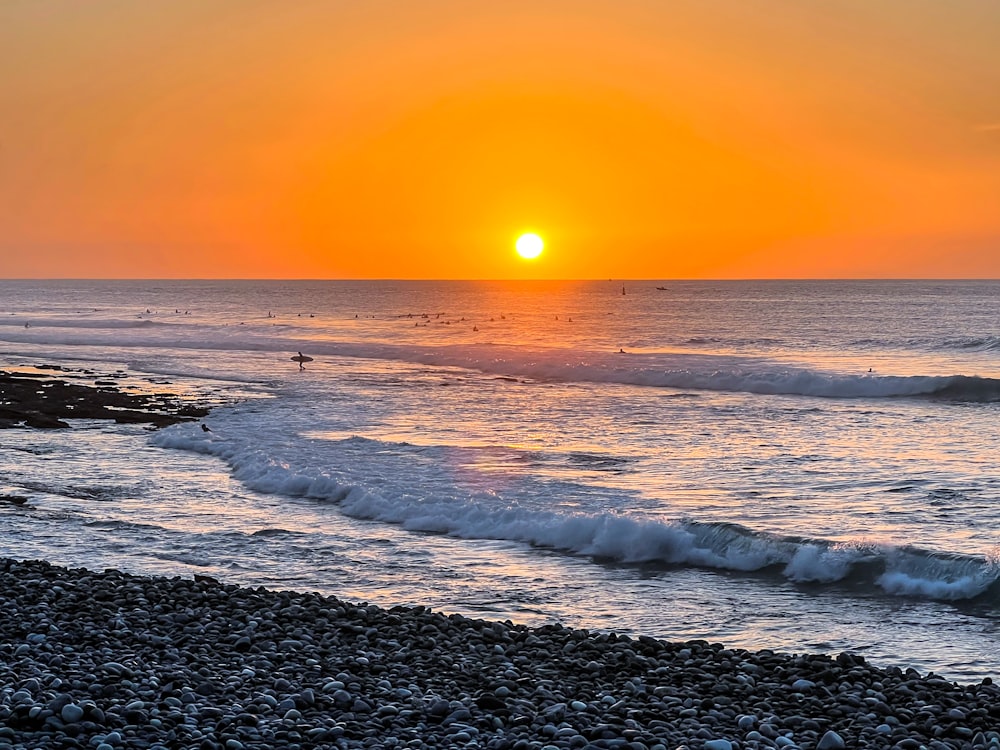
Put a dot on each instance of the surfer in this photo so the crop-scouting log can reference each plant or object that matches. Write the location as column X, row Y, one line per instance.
column 301, row 359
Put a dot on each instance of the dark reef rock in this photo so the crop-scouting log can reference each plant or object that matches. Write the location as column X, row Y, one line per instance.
column 41, row 401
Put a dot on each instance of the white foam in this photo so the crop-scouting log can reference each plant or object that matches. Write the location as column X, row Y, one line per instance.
column 899, row 583
column 604, row 535
column 609, row 536
column 814, row 563
column 664, row 370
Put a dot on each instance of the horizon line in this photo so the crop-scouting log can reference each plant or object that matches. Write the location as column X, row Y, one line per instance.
column 503, row 280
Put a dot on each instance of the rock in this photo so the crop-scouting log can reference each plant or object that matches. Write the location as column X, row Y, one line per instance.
column 489, row 703
column 71, row 713
column 106, row 660
column 831, row 741
column 43, row 402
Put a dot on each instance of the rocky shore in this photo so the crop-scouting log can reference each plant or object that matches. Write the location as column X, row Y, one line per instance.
column 44, row 401
column 108, row 660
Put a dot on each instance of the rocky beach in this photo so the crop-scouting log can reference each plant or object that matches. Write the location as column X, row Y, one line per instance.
column 109, row 660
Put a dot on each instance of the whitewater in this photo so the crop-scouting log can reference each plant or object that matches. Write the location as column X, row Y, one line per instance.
column 801, row 466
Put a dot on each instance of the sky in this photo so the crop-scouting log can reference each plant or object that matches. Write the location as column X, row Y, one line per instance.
column 417, row 139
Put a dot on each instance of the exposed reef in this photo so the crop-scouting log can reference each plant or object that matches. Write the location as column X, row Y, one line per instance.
column 46, row 401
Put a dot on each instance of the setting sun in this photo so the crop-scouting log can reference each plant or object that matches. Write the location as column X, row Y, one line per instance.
column 529, row 246
column 409, row 140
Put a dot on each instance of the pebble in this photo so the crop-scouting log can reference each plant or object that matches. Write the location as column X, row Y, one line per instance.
column 157, row 663
column 71, row 713
column 831, row 741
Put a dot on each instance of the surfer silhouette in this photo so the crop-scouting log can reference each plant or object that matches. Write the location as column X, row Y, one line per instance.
column 301, row 359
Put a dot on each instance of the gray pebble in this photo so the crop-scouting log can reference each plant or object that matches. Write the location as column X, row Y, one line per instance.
column 71, row 713
column 152, row 663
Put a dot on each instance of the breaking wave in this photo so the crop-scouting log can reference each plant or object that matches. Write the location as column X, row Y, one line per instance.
column 872, row 567
column 689, row 371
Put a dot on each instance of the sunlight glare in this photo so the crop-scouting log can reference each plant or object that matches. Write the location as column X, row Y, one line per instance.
column 529, row 246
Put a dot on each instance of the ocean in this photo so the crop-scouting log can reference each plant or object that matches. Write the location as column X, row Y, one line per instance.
column 802, row 466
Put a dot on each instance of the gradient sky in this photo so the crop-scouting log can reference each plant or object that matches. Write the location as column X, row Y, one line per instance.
column 418, row 138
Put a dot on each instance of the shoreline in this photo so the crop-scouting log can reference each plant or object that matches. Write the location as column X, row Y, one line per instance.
column 109, row 659
column 112, row 659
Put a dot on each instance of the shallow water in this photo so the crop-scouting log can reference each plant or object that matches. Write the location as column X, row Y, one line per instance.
column 736, row 475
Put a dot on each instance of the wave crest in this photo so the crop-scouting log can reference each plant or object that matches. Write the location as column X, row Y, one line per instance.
column 675, row 370
column 869, row 566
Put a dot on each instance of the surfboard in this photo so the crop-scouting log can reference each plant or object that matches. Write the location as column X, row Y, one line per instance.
column 301, row 358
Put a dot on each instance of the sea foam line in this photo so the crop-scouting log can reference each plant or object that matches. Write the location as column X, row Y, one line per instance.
column 892, row 569
column 711, row 372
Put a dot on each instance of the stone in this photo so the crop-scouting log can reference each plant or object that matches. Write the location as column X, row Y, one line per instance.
column 165, row 674
column 71, row 713
column 831, row 741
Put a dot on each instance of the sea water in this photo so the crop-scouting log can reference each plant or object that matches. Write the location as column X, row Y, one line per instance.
column 801, row 466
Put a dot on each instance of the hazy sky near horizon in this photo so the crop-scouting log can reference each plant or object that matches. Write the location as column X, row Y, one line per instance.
column 419, row 138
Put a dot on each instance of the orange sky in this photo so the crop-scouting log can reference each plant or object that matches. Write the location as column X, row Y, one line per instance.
column 418, row 138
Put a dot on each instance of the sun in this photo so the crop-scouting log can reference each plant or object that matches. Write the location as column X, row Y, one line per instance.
column 529, row 246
